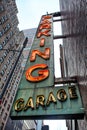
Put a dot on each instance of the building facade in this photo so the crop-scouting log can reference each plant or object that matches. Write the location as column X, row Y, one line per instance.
column 74, row 23
column 11, row 57
column 22, row 124
column 29, row 33
column 12, row 43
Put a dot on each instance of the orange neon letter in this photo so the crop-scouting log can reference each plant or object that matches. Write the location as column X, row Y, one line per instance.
column 42, row 41
column 46, row 33
column 45, row 22
column 46, row 17
column 43, row 74
column 45, row 54
column 45, row 26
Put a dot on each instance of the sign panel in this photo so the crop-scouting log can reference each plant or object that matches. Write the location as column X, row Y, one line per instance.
column 39, row 71
column 37, row 98
column 48, row 103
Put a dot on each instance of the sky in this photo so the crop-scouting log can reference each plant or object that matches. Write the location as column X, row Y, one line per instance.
column 29, row 15
column 56, row 124
column 30, row 11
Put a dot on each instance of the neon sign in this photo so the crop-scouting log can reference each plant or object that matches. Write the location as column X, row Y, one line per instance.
column 43, row 74
column 37, row 98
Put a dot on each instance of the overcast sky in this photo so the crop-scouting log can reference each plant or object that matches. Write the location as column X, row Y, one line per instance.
column 30, row 11
column 29, row 15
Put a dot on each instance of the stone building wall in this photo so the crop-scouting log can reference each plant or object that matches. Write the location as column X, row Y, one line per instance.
column 75, row 46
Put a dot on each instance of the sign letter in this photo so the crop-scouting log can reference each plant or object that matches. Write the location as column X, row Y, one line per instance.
column 44, row 55
column 72, row 92
column 61, row 95
column 40, row 100
column 43, row 74
column 51, row 98
column 45, row 33
column 29, row 104
column 19, row 104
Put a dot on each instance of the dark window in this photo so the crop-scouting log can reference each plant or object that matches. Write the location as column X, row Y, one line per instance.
column 1, row 8
column 1, row 34
column 2, row 125
column 2, row 72
column 4, row 43
column 5, row 54
column 11, row 100
column 1, row 85
column 5, row 103
column 1, row 59
column 1, row 47
column 3, row 99
column 8, row 95
column 2, row 112
column 5, row 116
column 8, row 108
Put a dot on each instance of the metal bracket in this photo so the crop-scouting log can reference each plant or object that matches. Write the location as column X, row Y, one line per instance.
column 65, row 80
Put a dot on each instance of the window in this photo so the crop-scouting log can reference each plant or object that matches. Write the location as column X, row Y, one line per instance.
column 11, row 33
column 0, row 33
column 8, row 108
column 2, row 19
column 4, row 43
column 8, row 95
column 1, row 8
column 15, row 86
column 2, row 125
column 1, row 85
column 10, row 88
column 5, row 17
column 10, row 67
column 2, row 72
column 7, row 72
column 12, row 83
column 8, row 51
column 6, row 39
column 5, row 116
column 5, row 103
column 6, row 92
column 13, row 92
column 5, row 66
column 8, row 62
column 11, row 100
column 2, row 112
column 5, row 78
column 1, row 47
column 8, row 26
column 1, row 59
column 0, row 22
column 5, row 54
column 3, row 99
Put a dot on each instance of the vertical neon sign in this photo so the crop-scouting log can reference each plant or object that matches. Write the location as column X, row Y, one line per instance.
column 44, row 40
column 36, row 97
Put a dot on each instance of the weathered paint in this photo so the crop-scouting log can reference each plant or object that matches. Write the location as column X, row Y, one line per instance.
column 68, row 109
